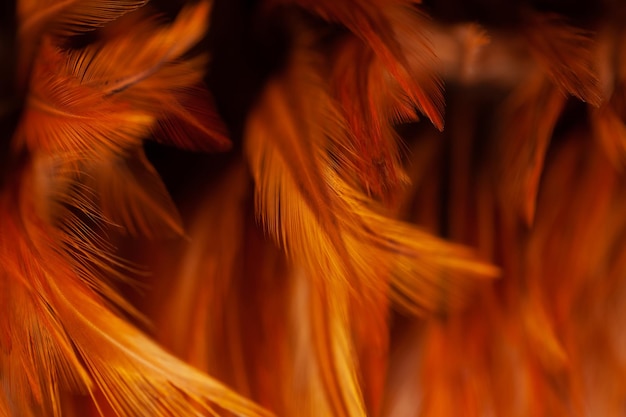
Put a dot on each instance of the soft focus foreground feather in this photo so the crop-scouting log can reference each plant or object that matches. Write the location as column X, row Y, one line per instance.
column 61, row 331
column 80, row 343
column 308, row 268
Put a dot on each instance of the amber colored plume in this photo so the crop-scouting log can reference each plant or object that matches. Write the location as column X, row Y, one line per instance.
column 312, row 208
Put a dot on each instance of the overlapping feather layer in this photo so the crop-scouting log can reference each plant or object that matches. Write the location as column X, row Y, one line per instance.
column 300, row 283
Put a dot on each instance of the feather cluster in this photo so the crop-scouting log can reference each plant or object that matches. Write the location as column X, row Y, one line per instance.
column 260, row 208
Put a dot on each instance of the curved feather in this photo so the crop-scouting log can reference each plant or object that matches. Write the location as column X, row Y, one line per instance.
column 298, row 151
column 311, row 123
column 141, row 63
column 374, row 101
column 80, row 343
column 140, row 52
column 64, row 116
column 283, row 149
column 62, row 18
column 93, row 107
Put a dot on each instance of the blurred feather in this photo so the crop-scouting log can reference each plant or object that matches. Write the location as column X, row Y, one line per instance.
column 610, row 131
column 565, row 53
column 529, row 119
column 229, row 313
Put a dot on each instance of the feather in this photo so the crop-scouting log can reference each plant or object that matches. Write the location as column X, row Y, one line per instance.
column 296, row 146
column 374, row 101
column 362, row 89
column 354, row 216
column 136, row 54
column 82, row 110
column 157, row 80
column 68, row 118
column 298, row 282
column 81, row 343
column 61, row 19
column 375, row 22
column 290, row 221
column 565, row 53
